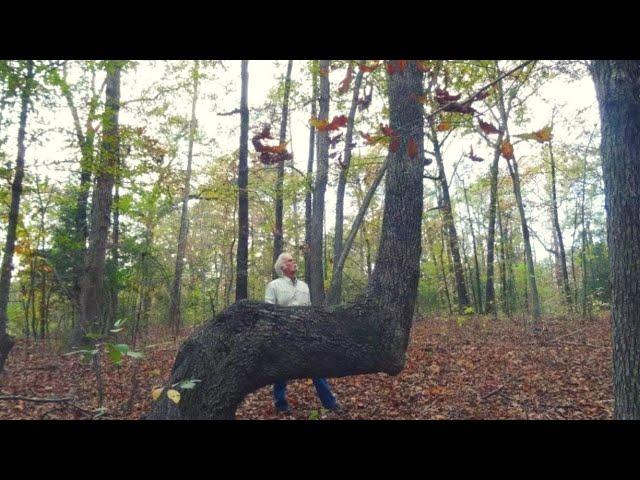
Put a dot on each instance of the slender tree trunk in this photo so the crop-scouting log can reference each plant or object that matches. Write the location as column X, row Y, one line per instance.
column 92, row 294
column 253, row 344
column 558, row 231
column 503, row 269
column 463, row 299
column 174, row 312
column 491, row 229
column 316, row 272
column 242, row 274
column 531, row 275
column 6, row 340
column 308, row 200
column 475, row 254
column 339, row 264
column 336, row 278
column 616, row 83
column 583, row 250
column 278, row 234
column 115, row 257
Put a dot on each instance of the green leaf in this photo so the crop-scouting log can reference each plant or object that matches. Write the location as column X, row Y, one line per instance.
column 116, row 330
column 120, row 322
column 188, row 384
column 133, row 354
column 114, row 354
column 314, row 415
column 123, row 348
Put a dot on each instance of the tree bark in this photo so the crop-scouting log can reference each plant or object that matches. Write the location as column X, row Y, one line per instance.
column 253, row 344
column 278, row 234
column 6, row 340
column 242, row 257
column 316, row 277
column 174, row 313
column 91, row 291
column 616, row 83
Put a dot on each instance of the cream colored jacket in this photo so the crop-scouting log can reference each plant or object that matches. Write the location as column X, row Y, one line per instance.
column 282, row 291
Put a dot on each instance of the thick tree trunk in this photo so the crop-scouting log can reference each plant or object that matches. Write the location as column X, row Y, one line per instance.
column 558, row 231
column 253, row 344
column 336, row 277
column 6, row 340
column 279, row 233
column 176, row 289
column 617, row 83
column 91, row 292
column 316, row 276
column 242, row 258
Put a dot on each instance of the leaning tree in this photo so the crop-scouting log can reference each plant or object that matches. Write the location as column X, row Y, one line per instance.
column 253, row 344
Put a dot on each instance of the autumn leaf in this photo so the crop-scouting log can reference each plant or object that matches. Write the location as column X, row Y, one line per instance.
column 443, row 96
column 543, row 135
column 333, row 141
column 412, row 148
column 324, row 126
column 317, row 123
column 156, row 392
column 422, row 66
column 369, row 68
column 346, row 83
column 464, row 108
column 487, row 128
column 395, row 144
column 540, row 136
column 173, row 395
column 506, row 149
column 474, row 157
column 444, row 126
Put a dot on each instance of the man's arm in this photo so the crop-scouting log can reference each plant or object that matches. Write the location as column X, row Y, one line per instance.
column 270, row 294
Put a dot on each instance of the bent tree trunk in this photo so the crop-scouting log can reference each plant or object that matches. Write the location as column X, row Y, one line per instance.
column 616, row 83
column 253, row 344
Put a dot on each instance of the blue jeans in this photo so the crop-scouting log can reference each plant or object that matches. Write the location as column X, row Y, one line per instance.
column 322, row 387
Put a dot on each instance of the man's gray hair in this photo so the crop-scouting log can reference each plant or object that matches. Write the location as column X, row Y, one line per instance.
column 280, row 263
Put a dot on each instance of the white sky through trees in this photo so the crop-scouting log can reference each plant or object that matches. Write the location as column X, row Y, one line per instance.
column 576, row 104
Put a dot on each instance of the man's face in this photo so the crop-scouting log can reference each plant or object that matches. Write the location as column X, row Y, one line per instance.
column 289, row 267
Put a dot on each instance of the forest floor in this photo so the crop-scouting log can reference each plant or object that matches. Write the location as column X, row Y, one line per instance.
column 482, row 369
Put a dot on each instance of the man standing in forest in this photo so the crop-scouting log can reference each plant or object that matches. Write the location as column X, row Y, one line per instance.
column 288, row 291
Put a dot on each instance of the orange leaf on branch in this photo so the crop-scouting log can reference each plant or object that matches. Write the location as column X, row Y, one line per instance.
column 506, row 149
column 324, row 126
column 540, row 136
column 369, row 68
column 444, row 126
